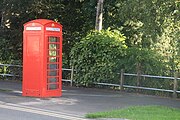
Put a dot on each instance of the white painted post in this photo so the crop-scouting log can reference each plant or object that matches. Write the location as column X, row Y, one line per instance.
column 72, row 74
column 175, row 85
column 122, row 80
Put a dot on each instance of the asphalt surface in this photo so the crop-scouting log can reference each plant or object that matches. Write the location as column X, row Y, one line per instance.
column 73, row 105
column 6, row 114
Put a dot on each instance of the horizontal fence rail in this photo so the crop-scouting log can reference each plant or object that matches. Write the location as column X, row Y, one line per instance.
column 8, row 65
column 150, row 76
column 135, row 87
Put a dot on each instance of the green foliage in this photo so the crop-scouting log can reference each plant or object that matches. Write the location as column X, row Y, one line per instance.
column 146, row 62
column 143, row 22
column 16, row 12
column 97, row 56
column 140, row 20
column 151, row 27
column 10, row 51
column 149, row 61
column 168, row 43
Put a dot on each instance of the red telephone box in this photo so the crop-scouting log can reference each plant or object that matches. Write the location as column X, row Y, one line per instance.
column 42, row 58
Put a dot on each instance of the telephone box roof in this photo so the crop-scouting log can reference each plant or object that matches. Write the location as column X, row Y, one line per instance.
column 42, row 22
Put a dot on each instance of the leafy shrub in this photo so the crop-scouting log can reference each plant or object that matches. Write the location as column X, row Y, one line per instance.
column 96, row 57
column 150, row 61
column 147, row 62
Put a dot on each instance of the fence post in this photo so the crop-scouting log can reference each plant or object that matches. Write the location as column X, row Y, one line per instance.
column 4, row 71
column 122, row 80
column 175, row 85
column 72, row 74
column 138, row 75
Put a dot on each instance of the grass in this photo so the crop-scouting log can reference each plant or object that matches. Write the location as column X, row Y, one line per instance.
column 140, row 113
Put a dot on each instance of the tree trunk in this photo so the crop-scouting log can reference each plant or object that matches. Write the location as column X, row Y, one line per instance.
column 99, row 15
column 2, row 14
column 2, row 19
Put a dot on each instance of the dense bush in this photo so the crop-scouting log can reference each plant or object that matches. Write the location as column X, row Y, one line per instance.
column 97, row 57
column 143, row 59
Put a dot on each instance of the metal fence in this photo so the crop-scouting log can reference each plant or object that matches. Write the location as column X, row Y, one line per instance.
column 122, row 86
column 6, row 71
column 15, row 72
column 71, row 75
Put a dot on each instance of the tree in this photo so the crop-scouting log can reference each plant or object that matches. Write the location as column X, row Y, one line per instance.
column 17, row 12
column 146, row 24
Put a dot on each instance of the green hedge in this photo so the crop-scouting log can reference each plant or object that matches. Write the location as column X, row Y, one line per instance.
column 97, row 57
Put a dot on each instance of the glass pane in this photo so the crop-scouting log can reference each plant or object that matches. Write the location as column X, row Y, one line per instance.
column 53, row 59
column 53, row 53
column 53, row 46
column 54, row 79
column 53, row 73
column 53, row 66
column 53, row 39
column 53, row 86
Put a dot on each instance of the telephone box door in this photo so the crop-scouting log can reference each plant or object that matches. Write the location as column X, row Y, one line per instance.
column 53, row 66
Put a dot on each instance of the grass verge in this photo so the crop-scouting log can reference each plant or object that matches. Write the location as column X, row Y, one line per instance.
column 140, row 113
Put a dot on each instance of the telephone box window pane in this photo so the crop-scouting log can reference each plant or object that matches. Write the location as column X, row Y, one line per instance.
column 53, row 39
column 53, row 46
column 53, row 86
column 53, row 73
column 54, row 79
column 53, row 59
column 53, row 66
column 53, row 53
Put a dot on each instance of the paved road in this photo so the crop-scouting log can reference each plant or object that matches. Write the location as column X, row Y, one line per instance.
column 75, row 102
column 11, row 111
column 6, row 114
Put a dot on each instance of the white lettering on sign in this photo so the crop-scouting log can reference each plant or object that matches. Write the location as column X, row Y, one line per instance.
column 33, row 28
column 53, row 29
